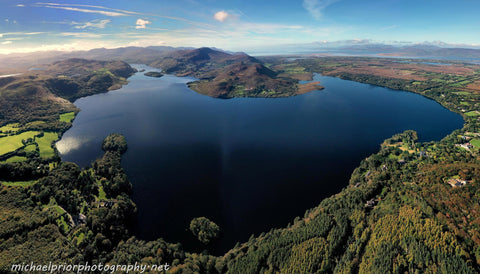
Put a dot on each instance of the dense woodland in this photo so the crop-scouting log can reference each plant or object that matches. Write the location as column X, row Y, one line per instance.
column 399, row 213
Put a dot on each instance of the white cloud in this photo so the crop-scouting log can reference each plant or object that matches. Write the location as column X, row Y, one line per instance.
column 221, row 16
column 110, row 11
column 390, row 27
column 81, row 34
column 103, row 12
column 142, row 24
column 20, row 33
column 316, row 7
column 77, row 45
column 7, row 42
column 6, row 20
column 20, row 5
column 101, row 24
column 88, row 6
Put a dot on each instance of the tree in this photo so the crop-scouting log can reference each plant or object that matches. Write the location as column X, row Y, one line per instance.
column 204, row 229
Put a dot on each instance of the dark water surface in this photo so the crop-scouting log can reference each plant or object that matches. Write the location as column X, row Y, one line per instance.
column 248, row 164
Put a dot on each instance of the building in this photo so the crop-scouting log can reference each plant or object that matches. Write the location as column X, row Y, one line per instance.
column 456, row 182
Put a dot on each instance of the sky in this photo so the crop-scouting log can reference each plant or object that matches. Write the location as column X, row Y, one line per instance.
column 235, row 25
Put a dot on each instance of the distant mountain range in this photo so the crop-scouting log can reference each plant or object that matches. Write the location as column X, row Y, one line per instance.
column 363, row 48
column 221, row 74
column 127, row 54
column 351, row 47
column 422, row 51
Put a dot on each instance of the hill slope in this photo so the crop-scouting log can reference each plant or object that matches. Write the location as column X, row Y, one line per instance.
column 225, row 75
column 44, row 94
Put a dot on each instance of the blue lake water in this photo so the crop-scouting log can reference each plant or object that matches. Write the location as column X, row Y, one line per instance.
column 248, row 164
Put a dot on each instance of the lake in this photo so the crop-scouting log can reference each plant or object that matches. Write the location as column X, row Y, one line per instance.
column 248, row 164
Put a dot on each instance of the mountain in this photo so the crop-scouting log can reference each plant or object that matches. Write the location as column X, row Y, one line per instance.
column 363, row 48
column 127, row 54
column 193, row 62
column 43, row 94
column 10, row 63
column 226, row 75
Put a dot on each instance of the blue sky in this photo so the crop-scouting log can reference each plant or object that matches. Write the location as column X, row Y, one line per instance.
column 237, row 25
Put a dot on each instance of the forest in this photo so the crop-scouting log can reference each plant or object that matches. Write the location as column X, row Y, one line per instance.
column 399, row 212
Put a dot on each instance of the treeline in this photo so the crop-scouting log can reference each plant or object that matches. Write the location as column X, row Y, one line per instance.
column 61, row 218
column 24, row 171
column 379, row 224
column 62, row 196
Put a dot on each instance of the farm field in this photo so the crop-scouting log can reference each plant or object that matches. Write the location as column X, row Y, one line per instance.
column 67, row 117
column 45, row 144
column 12, row 143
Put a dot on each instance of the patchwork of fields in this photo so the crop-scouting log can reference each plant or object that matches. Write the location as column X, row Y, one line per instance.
column 17, row 144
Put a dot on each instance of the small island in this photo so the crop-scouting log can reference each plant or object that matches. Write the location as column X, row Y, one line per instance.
column 153, row 74
column 204, row 229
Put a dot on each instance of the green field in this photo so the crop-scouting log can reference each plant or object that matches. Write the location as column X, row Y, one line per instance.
column 472, row 113
column 30, row 148
column 10, row 128
column 67, row 117
column 12, row 143
column 475, row 143
column 19, row 183
column 58, row 209
column 15, row 159
column 45, row 144
column 104, row 71
column 101, row 193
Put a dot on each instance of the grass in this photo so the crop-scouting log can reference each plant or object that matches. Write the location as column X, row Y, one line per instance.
column 101, row 193
column 15, row 159
column 30, row 148
column 475, row 143
column 58, row 209
column 12, row 143
column 472, row 113
column 463, row 93
column 67, row 117
column 62, row 225
column 393, row 157
column 45, row 144
column 104, row 71
column 80, row 238
column 10, row 128
column 19, row 183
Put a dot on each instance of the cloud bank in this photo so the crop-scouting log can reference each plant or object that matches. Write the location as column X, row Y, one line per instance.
column 101, row 24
